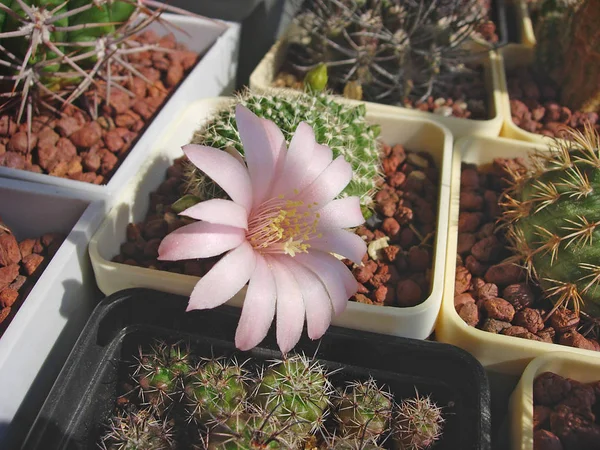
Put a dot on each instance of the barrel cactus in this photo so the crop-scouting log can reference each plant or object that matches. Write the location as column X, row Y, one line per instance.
column 297, row 392
column 339, row 126
column 364, row 410
column 135, row 431
column 418, row 423
column 553, row 219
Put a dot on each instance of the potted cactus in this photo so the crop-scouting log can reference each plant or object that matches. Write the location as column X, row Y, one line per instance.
column 178, row 382
column 552, row 85
column 81, row 82
column 392, row 54
column 398, row 237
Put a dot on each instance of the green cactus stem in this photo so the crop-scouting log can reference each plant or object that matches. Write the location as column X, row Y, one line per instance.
column 364, row 410
column 215, row 389
column 554, row 220
column 316, row 79
column 418, row 423
column 297, row 392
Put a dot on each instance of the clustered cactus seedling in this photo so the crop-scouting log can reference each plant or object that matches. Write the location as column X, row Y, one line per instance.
column 216, row 404
column 418, row 423
column 390, row 50
column 341, row 127
column 553, row 220
column 53, row 51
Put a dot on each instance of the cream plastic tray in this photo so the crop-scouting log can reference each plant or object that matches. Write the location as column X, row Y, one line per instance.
column 213, row 75
column 416, row 322
column 498, row 353
column 568, row 365
column 262, row 78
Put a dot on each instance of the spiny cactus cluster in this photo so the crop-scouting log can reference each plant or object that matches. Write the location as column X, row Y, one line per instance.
column 553, row 220
column 53, row 51
column 180, row 401
column 418, row 423
column 392, row 50
column 341, row 127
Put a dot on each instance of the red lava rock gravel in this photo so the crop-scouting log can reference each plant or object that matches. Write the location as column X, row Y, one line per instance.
column 21, row 264
column 405, row 212
column 78, row 147
column 565, row 413
column 535, row 106
column 492, row 294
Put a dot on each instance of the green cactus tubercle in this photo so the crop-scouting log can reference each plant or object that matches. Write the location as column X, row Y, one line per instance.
column 341, row 127
column 554, row 220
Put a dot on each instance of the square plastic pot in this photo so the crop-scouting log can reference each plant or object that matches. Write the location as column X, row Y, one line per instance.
column 567, row 365
column 213, row 75
column 39, row 338
column 525, row 37
column 416, row 322
column 84, row 395
column 498, row 353
column 263, row 76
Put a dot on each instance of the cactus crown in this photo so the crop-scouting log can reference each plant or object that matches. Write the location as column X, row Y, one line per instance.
column 395, row 50
column 339, row 126
column 418, row 423
column 133, row 431
column 52, row 51
column 554, row 222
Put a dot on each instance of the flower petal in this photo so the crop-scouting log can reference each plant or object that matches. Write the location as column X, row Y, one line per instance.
column 263, row 145
column 259, row 307
column 224, row 170
column 290, row 306
column 337, row 278
column 322, row 157
column 316, row 299
column 225, row 279
column 341, row 242
column 199, row 240
column 219, row 211
column 341, row 213
column 297, row 160
column 237, row 155
column 328, row 184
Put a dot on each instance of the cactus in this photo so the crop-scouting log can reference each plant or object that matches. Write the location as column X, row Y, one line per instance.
column 215, row 389
column 552, row 216
column 296, row 391
column 255, row 429
column 364, row 410
column 52, row 51
column 418, row 423
column 341, row 127
column 395, row 50
column 137, row 431
column 160, row 374
column 345, row 443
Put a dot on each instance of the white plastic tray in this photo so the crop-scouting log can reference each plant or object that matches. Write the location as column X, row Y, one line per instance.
column 213, row 75
column 497, row 353
column 417, row 322
column 44, row 329
column 567, row 365
column 263, row 76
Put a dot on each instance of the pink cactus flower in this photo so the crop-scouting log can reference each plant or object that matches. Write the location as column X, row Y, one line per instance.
column 279, row 230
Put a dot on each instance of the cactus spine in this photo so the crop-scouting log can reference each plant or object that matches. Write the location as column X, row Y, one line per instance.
column 137, row 431
column 341, row 127
column 418, row 423
column 364, row 410
column 553, row 219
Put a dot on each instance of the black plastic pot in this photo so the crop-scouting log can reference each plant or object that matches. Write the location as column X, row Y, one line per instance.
column 84, row 394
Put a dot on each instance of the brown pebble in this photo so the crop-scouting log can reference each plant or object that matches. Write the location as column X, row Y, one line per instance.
column 18, row 283
column 8, row 296
column 390, row 227
column 498, row 308
column 408, row 293
column 462, row 280
column 362, row 274
column 465, row 243
column 21, row 143
column 462, row 299
column 4, row 312
column 549, row 389
column 8, row 275
column 545, row 440
column 519, row 295
column 9, row 250
column 563, row 320
column 468, row 222
column 474, row 266
column 488, row 290
column 469, row 312
column 574, row 339
column 530, row 319
column 31, row 263
column 495, row 326
column 487, row 250
column 87, row 136
column 541, row 415
column 504, row 274
column 418, row 259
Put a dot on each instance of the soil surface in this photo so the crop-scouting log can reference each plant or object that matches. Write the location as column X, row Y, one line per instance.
column 21, row 264
column 566, row 413
column 535, row 106
column 494, row 295
column 79, row 147
column 400, row 234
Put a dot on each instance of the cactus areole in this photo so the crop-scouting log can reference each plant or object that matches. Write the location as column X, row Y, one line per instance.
column 553, row 215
